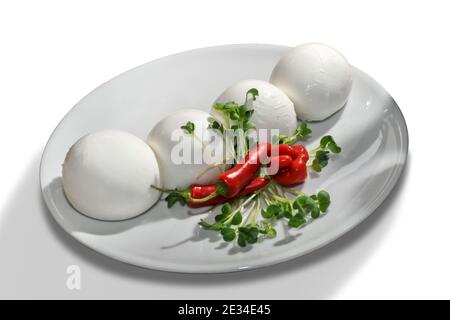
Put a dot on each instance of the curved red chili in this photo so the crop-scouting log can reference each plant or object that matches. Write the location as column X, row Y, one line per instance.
column 278, row 163
column 198, row 192
column 254, row 185
column 240, row 175
column 284, row 149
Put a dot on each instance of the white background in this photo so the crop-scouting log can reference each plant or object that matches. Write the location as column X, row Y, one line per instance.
column 52, row 53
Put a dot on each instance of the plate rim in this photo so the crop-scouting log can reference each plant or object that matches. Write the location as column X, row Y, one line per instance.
column 384, row 193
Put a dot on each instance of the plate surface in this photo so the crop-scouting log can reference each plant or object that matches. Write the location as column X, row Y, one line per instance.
column 371, row 130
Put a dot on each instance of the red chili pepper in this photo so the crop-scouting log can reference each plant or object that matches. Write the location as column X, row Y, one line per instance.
column 297, row 171
column 240, row 181
column 198, row 192
column 278, row 163
column 284, row 149
column 254, row 185
column 240, row 175
column 301, row 150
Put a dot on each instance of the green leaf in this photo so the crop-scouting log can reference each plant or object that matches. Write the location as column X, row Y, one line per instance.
column 242, row 112
column 287, row 214
column 216, row 126
column 325, row 140
column 225, row 213
column 248, row 125
column 253, row 92
column 304, row 130
column 271, row 232
column 271, row 211
column 296, row 221
column 250, row 234
column 174, row 197
column 298, row 203
column 253, row 233
column 316, row 166
column 248, row 114
column 315, row 212
column 237, row 219
column 226, row 208
column 241, row 240
column 209, row 226
column 189, row 127
column 309, row 205
column 228, row 234
column 219, row 106
column 234, row 115
column 333, row 147
column 328, row 143
column 301, row 133
column 320, row 161
column 323, row 198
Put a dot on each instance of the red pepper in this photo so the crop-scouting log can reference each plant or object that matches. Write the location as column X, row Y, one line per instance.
column 201, row 192
column 297, row 171
column 240, row 175
column 284, row 149
column 278, row 163
column 301, row 150
column 240, row 181
column 254, row 185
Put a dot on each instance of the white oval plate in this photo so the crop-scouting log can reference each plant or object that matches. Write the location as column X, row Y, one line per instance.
column 371, row 130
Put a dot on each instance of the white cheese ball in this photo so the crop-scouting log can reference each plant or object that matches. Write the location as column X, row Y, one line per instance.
column 316, row 77
column 273, row 109
column 107, row 175
column 185, row 158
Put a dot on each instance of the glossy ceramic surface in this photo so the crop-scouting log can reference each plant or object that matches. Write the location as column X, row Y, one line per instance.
column 370, row 128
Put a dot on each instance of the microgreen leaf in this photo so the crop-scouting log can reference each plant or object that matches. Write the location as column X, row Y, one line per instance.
column 226, row 208
column 333, row 147
column 217, row 126
column 210, row 226
column 228, row 234
column 189, row 127
column 271, row 211
column 296, row 221
column 247, row 125
column 301, row 133
column 225, row 213
column 234, row 115
column 328, row 143
column 315, row 212
column 253, row 92
column 323, row 198
column 325, row 141
column 320, row 161
column 241, row 240
column 271, row 232
column 174, row 197
column 237, row 219
column 253, row 233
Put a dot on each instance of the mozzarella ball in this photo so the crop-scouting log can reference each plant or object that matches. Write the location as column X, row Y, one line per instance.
column 272, row 108
column 107, row 175
column 187, row 158
column 316, row 77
